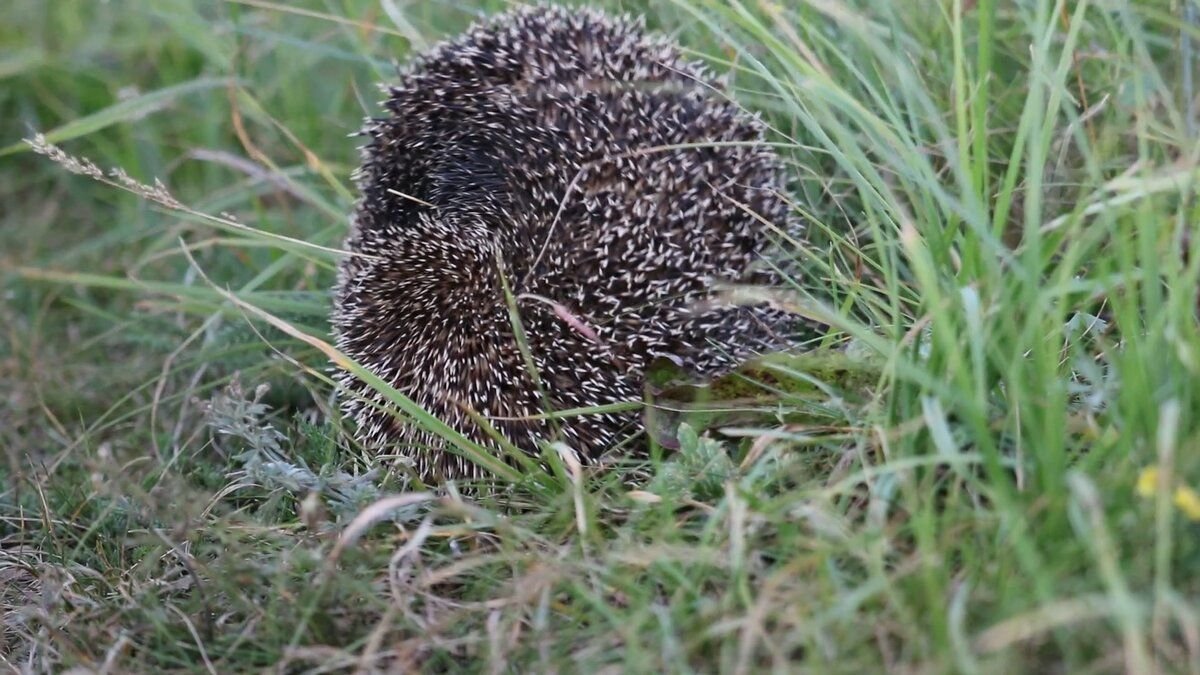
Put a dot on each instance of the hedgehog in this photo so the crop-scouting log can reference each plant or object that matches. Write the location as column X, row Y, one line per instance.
column 549, row 206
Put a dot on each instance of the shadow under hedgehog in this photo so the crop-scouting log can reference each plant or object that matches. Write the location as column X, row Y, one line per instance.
column 590, row 167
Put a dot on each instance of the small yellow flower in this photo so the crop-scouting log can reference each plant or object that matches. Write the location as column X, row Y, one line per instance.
column 1185, row 498
column 1147, row 482
column 1188, row 501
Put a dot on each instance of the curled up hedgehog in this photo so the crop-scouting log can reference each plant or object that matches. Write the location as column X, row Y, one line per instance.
column 565, row 165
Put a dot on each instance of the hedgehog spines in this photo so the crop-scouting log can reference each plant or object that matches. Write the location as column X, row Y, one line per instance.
column 593, row 163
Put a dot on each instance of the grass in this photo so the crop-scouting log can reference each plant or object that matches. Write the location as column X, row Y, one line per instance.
column 1001, row 200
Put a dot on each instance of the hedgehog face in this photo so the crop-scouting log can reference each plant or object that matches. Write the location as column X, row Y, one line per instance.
column 584, row 163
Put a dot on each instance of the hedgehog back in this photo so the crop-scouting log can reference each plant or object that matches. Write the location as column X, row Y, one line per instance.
column 597, row 172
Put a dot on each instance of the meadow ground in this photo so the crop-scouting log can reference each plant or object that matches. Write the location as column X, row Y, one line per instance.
column 1001, row 198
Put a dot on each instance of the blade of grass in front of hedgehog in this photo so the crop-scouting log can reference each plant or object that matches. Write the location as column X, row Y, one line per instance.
column 528, row 465
column 522, row 340
column 565, row 413
column 458, row 443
